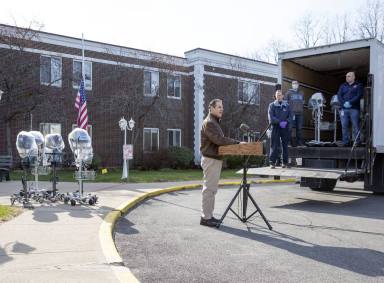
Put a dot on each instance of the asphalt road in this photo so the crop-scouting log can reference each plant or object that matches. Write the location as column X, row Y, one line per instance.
column 316, row 237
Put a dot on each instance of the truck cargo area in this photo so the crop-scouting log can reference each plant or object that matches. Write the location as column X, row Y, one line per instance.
column 323, row 69
column 324, row 73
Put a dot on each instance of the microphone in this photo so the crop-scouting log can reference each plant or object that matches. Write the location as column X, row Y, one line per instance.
column 244, row 127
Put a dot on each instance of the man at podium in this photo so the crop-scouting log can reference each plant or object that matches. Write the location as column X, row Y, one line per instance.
column 212, row 137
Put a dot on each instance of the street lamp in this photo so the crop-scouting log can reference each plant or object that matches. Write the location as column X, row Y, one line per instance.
column 127, row 148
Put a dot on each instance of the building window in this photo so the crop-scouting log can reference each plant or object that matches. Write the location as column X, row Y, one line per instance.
column 77, row 73
column 249, row 92
column 151, row 139
column 174, row 86
column 89, row 129
column 151, row 83
column 50, row 70
column 50, row 128
column 174, row 137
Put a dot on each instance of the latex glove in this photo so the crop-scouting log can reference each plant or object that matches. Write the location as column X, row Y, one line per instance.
column 283, row 124
column 347, row 105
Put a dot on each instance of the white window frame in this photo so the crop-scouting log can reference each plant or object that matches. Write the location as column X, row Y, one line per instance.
column 155, row 78
column 88, row 76
column 174, row 137
column 173, row 77
column 158, row 135
column 58, row 82
column 89, row 129
column 256, row 99
column 51, row 128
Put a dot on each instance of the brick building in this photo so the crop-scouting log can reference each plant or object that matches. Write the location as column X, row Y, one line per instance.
column 166, row 95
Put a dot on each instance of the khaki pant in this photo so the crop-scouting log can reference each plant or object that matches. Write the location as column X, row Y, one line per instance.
column 211, row 170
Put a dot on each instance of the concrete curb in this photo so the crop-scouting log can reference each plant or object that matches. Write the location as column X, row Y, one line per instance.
column 106, row 228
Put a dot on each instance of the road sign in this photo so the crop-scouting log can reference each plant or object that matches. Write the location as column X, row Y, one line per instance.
column 127, row 151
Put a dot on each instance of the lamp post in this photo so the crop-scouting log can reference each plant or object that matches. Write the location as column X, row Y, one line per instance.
column 124, row 126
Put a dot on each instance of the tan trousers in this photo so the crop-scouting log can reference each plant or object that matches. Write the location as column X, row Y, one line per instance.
column 211, row 170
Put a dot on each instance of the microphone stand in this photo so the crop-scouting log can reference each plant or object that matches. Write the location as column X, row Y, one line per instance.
column 244, row 188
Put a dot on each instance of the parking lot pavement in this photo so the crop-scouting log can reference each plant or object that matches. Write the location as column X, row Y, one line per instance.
column 316, row 237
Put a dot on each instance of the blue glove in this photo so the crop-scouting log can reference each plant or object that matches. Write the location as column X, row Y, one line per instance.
column 283, row 124
column 347, row 105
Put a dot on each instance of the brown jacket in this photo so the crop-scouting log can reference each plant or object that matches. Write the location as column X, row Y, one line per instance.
column 212, row 137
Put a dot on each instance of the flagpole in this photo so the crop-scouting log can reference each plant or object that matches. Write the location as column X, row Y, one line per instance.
column 83, row 78
column 82, row 62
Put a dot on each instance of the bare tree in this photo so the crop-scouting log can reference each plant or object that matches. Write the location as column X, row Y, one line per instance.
column 308, row 31
column 371, row 20
column 17, row 71
column 342, row 28
column 242, row 102
column 130, row 98
column 270, row 51
column 336, row 29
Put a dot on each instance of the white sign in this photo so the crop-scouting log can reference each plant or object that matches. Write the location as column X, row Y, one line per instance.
column 127, row 151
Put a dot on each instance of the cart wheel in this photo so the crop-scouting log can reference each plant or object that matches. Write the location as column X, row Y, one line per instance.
column 66, row 200
column 91, row 201
column 73, row 202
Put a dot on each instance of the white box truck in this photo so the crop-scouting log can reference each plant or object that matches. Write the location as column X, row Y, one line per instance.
column 323, row 69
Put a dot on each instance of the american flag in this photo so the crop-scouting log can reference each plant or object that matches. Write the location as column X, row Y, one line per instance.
column 81, row 106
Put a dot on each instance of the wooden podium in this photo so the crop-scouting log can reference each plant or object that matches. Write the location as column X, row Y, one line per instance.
column 245, row 150
column 250, row 148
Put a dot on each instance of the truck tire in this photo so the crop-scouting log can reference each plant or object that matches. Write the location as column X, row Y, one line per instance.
column 324, row 185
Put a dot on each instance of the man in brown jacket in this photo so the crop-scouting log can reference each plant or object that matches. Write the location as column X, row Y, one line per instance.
column 212, row 137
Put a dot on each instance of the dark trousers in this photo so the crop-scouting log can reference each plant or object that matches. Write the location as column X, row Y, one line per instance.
column 297, row 122
column 278, row 136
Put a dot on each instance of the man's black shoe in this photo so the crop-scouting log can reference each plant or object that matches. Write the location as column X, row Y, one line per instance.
column 208, row 222
column 215, row 219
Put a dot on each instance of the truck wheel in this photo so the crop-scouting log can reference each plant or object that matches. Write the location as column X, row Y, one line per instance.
column 324, row 185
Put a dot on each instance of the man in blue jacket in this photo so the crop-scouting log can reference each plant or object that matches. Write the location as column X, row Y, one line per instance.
column 295, row 98
column 279, row 115
column 349, row 96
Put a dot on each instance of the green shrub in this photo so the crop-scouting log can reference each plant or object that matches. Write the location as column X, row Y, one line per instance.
column 173, row 157
column 180, row 157
column 155, row 160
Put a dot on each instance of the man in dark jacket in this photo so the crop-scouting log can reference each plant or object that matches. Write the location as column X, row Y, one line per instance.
column 295, row 98
column 349, row 96
column 212, row 137
column 279, row 115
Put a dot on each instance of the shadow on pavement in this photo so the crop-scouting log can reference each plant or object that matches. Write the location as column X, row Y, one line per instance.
column 14, row 248
column 359, row 260
column 49, row 212
column 367, row 207
column 330, row 228
column 124, row 226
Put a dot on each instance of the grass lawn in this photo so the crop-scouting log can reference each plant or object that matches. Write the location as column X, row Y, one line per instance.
column 136, row 176
column 8, row 212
